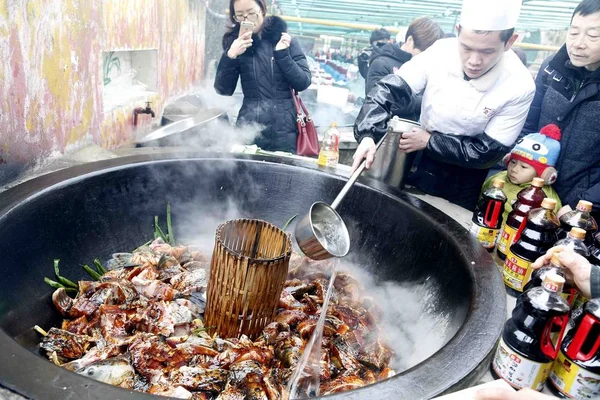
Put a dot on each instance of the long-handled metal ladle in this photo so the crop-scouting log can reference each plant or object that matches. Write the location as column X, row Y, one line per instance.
column 322, row 233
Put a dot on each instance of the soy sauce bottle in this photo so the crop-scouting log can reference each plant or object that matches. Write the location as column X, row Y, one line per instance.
column 569, row 293
column 525, row 353
column 527, row 199
column 538, row 237
column 576, row 372
column 579, row 218
column 575, row 241
column 487, row 217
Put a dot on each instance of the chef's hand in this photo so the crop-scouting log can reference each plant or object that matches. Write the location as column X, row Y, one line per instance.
column 366, row 149
column 414, row 140
column 284, row 42
column 509, row 394
column 240, row 45
column 564, row 210
column 577, row 268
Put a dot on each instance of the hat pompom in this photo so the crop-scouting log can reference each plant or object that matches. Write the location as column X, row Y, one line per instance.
column 552, row 131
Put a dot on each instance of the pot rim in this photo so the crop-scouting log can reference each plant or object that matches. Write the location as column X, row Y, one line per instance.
column 28, row 374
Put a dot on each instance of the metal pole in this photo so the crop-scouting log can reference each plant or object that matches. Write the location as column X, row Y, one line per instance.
column 391, row 29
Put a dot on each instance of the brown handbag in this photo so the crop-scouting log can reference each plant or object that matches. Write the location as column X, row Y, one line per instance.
column 308, row 141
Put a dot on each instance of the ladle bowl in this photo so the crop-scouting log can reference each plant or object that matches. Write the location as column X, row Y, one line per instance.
column 322, row 234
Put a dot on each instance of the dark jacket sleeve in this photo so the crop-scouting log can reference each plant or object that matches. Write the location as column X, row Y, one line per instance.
column 377, row 70
column 375, row 113
column 535, row 110
column 479, row 151
column 363, row 64
column 227, row 76
column 592, row 195
column 595, row 281
column 294, row 66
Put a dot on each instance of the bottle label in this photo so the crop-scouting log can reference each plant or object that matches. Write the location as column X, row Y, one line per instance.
column 574, row 381
column 486, row 236
column 327, row 158
column 516, row 271
column 518, row 371
column 506, row 239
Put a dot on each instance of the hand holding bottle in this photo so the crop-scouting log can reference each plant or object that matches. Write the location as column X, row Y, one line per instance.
column 578, row 269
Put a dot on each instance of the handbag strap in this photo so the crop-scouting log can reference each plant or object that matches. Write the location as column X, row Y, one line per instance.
column 296, row 104
column 303, row 107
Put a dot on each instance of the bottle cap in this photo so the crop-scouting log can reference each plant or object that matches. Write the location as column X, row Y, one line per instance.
column 549, row 204
column 585, row 206
column 577, row 233
column 498, row 183
column 553, row 282
column 334, row 125
column 538, row 182
column 555, row 260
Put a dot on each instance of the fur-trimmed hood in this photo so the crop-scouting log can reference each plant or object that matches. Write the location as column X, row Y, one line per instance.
column 272, row 29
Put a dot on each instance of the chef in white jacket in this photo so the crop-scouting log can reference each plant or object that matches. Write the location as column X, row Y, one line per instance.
column 476, row 96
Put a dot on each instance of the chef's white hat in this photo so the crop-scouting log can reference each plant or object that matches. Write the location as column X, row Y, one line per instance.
column 490, row 15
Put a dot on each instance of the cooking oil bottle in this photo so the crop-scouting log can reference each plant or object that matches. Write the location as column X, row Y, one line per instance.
column 569, row 293
column 487, row 217
column 527, row 199
column 575, row 241
column 537, row 238
column 579, row 218
column 576, row 372
column 330, row 149
column 525, row 353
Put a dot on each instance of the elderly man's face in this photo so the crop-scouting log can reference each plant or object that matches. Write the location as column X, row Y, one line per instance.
column 583, row 41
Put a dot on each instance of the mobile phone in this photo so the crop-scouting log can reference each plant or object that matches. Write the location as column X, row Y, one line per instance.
column 246, row 26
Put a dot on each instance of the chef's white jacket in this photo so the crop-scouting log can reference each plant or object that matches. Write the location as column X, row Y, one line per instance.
column 496, row 103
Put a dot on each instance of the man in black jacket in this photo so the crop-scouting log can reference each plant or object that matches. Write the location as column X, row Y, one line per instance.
column 379, row 38
column 476, row 95
column 388, row 59
column 568, row 94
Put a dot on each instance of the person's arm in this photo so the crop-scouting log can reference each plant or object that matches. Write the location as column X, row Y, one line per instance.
column 396, row 90
column 486, row 149
column 541, row 85
column 294, row 66
column 363, row 64
column 377, row 70
column 375, row 113
column 228, row 72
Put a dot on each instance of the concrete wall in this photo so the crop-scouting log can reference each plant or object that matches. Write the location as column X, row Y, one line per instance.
column 51, row 76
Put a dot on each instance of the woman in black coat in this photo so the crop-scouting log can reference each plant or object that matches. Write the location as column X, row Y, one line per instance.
column 270, row 62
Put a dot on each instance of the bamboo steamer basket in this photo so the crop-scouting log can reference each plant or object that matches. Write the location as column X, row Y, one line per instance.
column 249, row 267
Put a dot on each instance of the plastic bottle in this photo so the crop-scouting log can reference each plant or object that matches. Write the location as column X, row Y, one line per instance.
column 569, row 292
column 487, row 217
column 525, row 353
column 579, row 218
column 330, row 149
column 527, row 199
column 576, row 372
column 595, row 250
column 575, row 242
column 537, row 237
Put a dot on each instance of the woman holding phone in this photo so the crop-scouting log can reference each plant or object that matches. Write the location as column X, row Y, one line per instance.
column 270, row 63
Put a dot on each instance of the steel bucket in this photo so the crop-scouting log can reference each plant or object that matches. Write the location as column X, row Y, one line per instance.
column 390, row 166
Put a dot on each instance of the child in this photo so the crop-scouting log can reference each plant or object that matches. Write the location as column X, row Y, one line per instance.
column 533, row 156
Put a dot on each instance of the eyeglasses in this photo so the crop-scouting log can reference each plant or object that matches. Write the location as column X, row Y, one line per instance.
column 252, row 17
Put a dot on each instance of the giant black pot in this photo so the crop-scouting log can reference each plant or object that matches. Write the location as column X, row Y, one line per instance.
column 95, row 209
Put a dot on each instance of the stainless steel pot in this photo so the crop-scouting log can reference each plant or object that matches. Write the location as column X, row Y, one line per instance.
column 390, row 166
